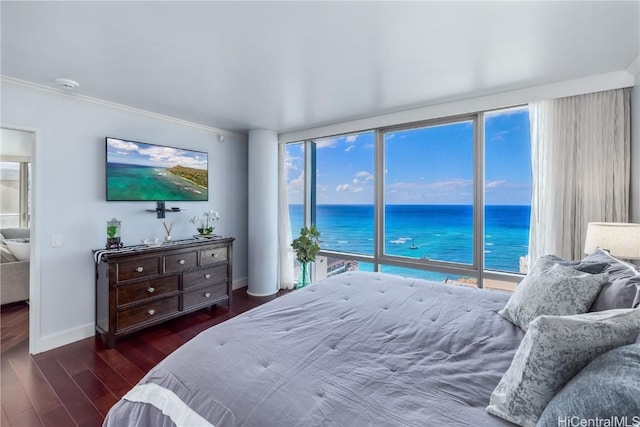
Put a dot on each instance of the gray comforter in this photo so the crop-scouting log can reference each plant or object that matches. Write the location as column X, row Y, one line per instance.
column 358, row 349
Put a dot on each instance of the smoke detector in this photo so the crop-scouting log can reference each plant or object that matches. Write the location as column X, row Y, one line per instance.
column 67, row 84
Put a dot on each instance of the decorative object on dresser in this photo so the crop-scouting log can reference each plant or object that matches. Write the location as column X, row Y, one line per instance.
column 141, row 286
column 113, row 234
column 205, row 222
column 167, row 229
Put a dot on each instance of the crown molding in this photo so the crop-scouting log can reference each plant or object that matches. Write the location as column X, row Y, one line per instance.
column 97, row 101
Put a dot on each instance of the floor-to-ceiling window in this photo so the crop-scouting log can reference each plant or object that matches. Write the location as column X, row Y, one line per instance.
column 446, row 199
column 507, row 191
column 428, row 194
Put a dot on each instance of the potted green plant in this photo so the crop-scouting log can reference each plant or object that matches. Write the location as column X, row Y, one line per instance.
column 306, row 247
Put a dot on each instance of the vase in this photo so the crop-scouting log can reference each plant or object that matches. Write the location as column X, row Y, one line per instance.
column 205, row 231
column 304, row 278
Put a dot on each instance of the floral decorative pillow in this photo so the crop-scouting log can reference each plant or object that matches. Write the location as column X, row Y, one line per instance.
column 552, row 289
column 554, row 350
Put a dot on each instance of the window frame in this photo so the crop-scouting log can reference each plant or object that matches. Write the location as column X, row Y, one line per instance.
column 477, row 268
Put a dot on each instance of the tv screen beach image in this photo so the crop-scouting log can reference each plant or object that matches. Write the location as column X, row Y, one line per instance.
column 138, row 171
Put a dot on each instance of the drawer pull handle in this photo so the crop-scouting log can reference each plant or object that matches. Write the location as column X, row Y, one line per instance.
column 151, row 290
column 140, row 269
column 215, row 255
column 207, row 294
column 181, row 262
column 151, row 312
column 207, row 276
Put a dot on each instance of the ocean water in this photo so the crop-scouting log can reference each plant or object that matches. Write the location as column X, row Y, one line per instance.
column 436, row 232
column 136, row 182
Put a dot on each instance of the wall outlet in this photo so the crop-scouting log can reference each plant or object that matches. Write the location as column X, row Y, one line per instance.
column 56, row 240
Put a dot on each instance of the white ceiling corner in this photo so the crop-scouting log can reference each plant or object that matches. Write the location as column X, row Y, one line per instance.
column 288, row 66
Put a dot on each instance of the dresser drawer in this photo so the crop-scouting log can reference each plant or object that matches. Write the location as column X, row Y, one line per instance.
column 140, row 291
column 147, row 312
column 142, row 267
column 213, row 256
column 180, row 262
column 205, row 276
column 202, row 296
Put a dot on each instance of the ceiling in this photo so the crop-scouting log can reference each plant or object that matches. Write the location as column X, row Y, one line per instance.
column 288, row 66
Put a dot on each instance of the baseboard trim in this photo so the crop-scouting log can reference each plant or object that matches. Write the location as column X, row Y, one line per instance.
column 49, row 342
column 240, row 283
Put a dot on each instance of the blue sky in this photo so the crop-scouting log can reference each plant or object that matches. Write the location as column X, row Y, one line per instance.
column 422, row 166
column 138, row 153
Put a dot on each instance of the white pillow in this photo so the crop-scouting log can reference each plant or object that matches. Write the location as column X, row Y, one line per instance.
column 20, row 248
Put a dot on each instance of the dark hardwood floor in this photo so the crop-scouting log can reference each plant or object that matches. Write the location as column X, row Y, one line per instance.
column 75, row 385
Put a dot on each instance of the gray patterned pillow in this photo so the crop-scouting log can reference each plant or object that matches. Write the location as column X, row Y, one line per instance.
column 552, row 289
column 593, row 267
column 554, row 350
column 623, row 288
column 608, row 387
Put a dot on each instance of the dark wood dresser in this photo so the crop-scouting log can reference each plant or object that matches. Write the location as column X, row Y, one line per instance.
column 141, row 286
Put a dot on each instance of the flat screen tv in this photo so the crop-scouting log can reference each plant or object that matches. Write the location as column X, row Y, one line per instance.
column 138, row 171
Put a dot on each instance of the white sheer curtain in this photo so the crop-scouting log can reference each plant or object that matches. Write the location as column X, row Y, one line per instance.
column 285, row 251
column 580, row 169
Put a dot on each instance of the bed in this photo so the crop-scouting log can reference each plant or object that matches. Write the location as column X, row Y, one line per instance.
column 357, row 349
column 372, row 349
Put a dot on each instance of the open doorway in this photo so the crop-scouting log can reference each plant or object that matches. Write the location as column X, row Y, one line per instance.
column 16, row 152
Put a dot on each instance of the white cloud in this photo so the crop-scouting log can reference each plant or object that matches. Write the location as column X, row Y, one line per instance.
column 173, row 156
column 123, row 145
column 456, row 190
column 326, row 143
column 349, row 187
column 291, row 160
column 297, row 182
column 451, row 183
column 364, row 174
column 495, row 184
column 456, row 182
column 351, row 139
column 349, row 148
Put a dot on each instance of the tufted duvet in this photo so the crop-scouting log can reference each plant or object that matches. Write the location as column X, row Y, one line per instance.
column 357, row 349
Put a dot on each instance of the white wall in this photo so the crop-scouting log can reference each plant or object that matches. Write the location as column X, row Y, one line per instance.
column 69, row 174
column 635, row 151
